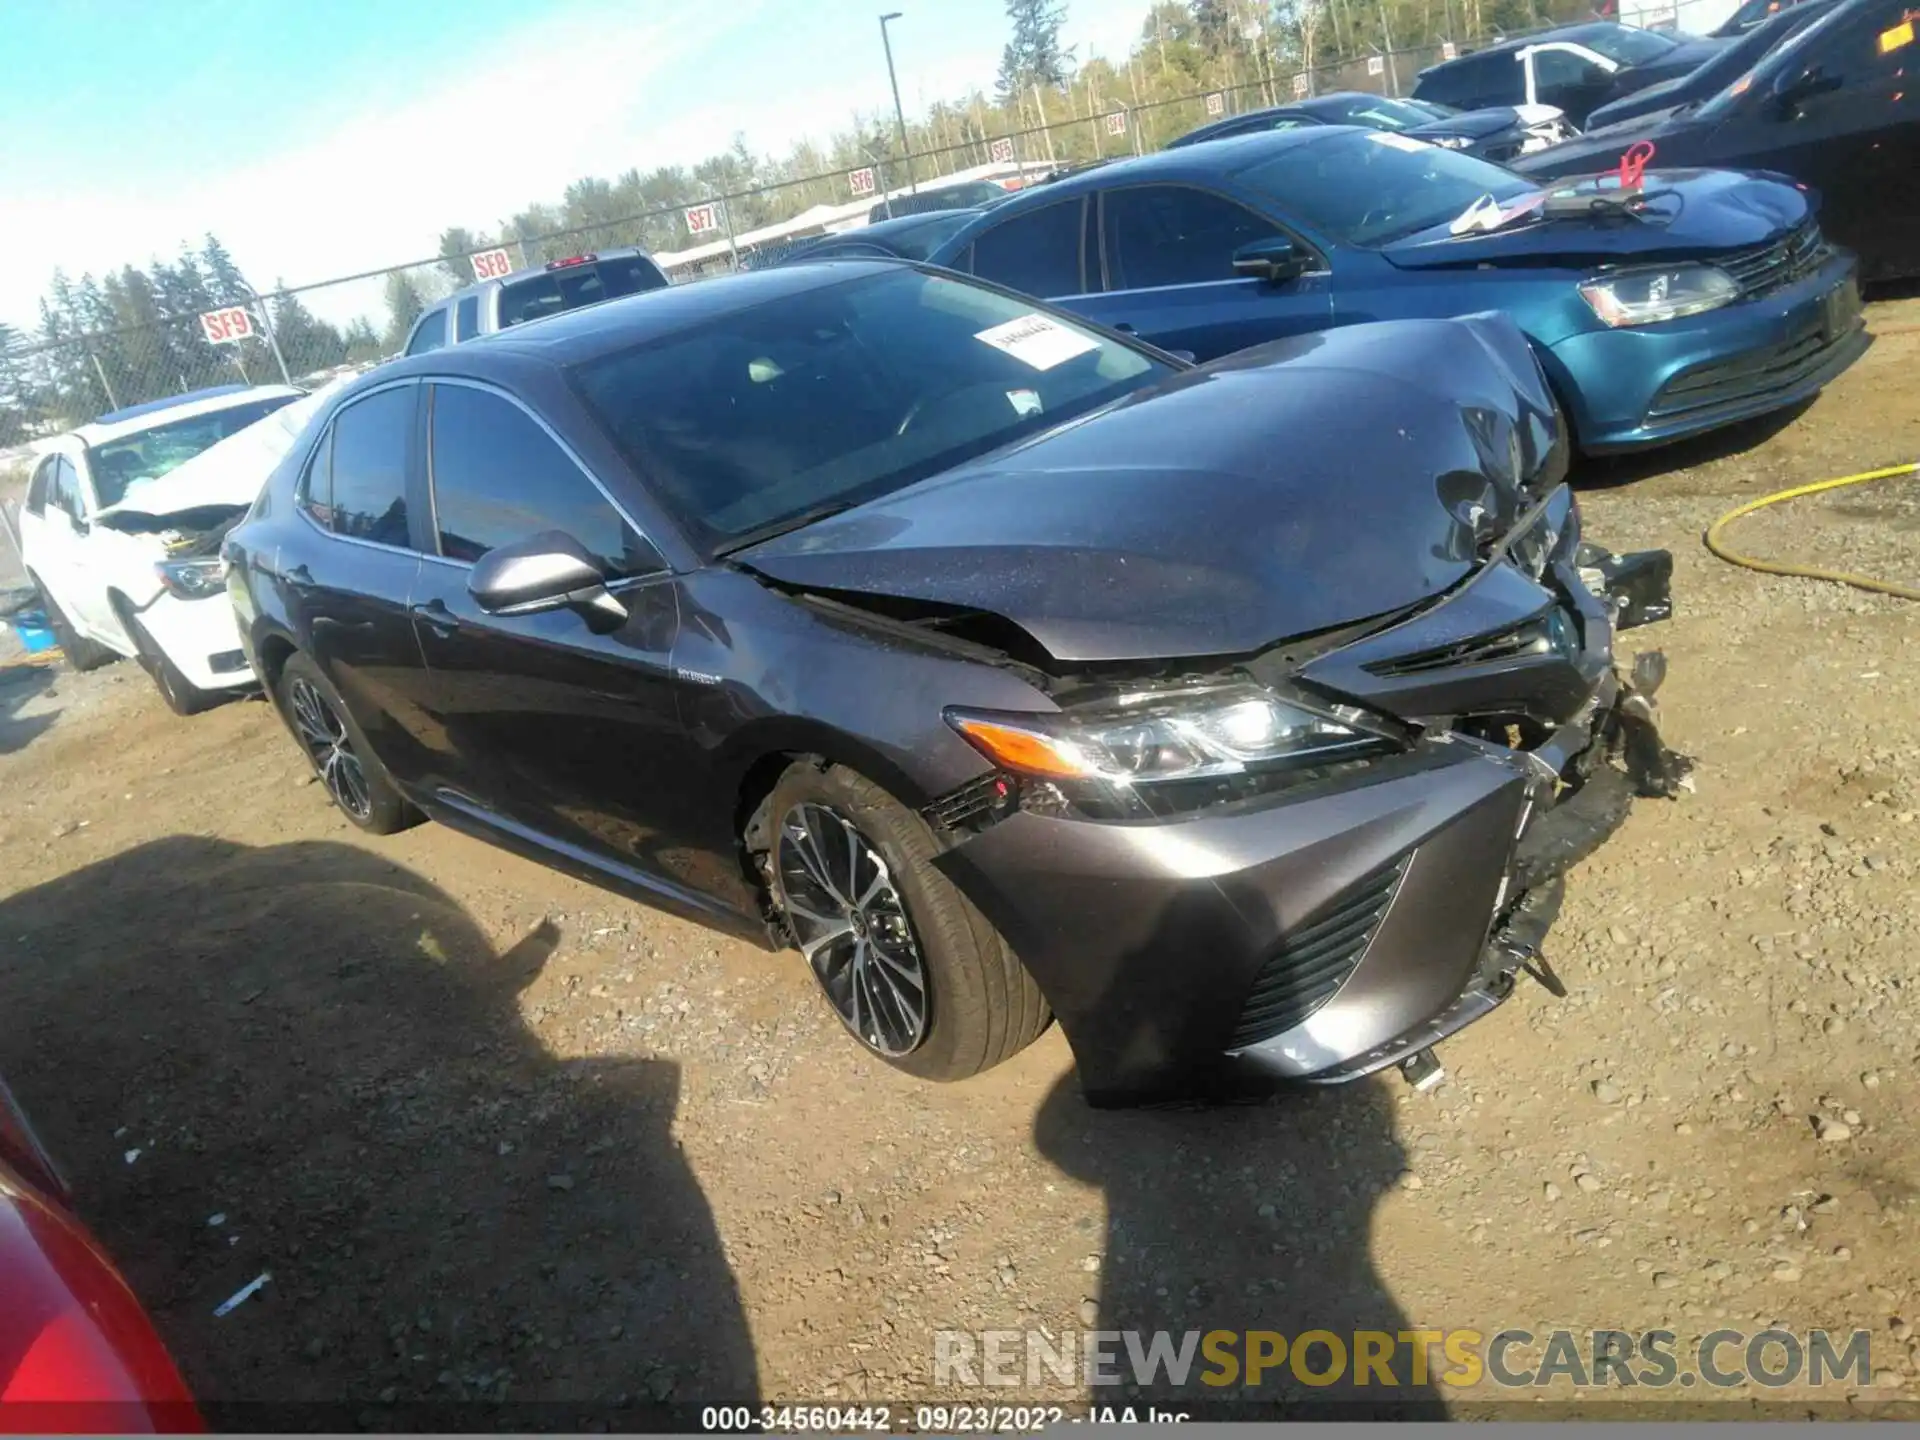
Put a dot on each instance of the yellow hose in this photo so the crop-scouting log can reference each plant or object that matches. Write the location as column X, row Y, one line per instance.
column 1810, row 572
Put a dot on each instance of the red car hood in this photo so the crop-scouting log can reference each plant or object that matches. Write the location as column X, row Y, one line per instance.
column 77, row 1353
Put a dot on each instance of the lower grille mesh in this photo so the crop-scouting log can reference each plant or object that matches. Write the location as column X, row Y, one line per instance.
column 1312, row 961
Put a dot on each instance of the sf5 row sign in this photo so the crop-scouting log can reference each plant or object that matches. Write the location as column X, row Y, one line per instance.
column 227, row 326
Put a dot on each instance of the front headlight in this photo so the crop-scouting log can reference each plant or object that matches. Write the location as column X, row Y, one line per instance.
column 1450, row 142
column 1161, row 736
column 1646, row 297
column 193, row 579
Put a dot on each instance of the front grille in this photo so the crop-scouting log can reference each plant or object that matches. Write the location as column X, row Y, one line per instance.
column 971, row 802
column 1766, row 268
column 1311, row 962
column 1748, row 377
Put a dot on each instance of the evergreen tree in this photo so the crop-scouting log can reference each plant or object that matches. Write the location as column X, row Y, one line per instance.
column 307, row 342
column 404, row 304
column 1034, row 56
column 457, row 245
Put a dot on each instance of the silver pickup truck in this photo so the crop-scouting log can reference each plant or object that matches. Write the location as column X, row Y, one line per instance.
column 528, row 294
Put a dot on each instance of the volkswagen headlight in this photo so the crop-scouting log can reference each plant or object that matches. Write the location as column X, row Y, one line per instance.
column 1154, row 737
column 1646, row 297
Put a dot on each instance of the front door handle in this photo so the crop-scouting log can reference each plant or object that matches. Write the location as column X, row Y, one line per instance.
column 435, row 615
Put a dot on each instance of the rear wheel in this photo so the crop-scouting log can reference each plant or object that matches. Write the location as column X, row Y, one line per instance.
column 183, row 697
column 354, row 779
column 916, row 973
column 81, row 653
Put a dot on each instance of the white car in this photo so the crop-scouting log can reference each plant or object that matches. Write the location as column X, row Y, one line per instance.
column 122, row 526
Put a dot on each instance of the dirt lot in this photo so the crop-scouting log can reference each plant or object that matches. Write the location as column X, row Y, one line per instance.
column 499, row 1136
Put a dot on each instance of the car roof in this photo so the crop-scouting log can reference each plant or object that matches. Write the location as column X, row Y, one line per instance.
column 572, row 336
column 135, row 418
column 1519, row 42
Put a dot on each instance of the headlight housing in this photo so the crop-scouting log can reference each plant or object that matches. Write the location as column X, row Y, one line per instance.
column 195, row 579
column 1646, row 297
column 1449, row 142
column 1153, row 738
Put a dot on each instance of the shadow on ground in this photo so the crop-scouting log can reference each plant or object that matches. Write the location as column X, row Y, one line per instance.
column 25, row 690
column 1603, row 472
column 323, row 1066
column 1253, row 1216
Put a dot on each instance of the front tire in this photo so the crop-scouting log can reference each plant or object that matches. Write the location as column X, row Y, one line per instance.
column 917, row 975
column 355, row 780
column 81, row 653
column 183, row 697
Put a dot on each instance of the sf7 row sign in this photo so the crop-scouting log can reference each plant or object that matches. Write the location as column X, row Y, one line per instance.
column 227, row 326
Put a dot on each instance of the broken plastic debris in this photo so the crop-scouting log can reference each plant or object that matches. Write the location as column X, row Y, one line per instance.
column 217, row 1219
column 245, row 1293
column 133, row 1155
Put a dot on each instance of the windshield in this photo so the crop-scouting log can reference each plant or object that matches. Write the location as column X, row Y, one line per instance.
column 573, row 286
column 1627, row 46
column 1376, row 112
column 1733, row 61
column 844, row 393
column 1771, row 64
column 148, row 454
column 1369, row 187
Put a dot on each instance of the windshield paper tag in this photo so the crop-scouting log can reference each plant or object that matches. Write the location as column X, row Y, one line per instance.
column 1397, row 142
column 1038, row 341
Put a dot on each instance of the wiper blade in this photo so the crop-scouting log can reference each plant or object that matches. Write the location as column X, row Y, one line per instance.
column 784, row 526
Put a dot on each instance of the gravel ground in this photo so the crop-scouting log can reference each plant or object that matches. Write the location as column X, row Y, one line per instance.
column 500, row 1137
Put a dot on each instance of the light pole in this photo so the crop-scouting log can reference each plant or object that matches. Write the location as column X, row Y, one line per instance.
column 899, row 115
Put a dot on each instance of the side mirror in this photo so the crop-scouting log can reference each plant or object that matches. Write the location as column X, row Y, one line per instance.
column 1273, row 259
column 548, row 571
column 1790, row 90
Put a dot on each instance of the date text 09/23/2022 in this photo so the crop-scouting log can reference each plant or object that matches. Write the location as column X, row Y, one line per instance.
column 924, row 1419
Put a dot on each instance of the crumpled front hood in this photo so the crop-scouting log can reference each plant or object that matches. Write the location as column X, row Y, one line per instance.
column 1473, row 124
column 1289, row 489
column 228, row 474
column 1712, row 212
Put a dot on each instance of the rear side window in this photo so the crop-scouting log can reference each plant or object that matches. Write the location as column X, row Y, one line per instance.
column 1038, row 252
column 572, row 286
column 1174, row 235
column 368, row 498
column 316, row 486
column 499, row 477
column 466, row 321
column 432, row 333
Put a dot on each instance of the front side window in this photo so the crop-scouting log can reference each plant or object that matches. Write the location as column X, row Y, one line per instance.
column 368, row 496
column 1174, row 235
column 431, row 333
column 842, row 393
column 498, row 477
column 40, row 485
column 1554, row 69
column 1627, row 45
column 1038, row 252
column 127, row 461
column 65, row 490
column 1369, row 187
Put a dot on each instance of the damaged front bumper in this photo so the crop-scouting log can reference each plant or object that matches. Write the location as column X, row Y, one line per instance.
column 1334, row 929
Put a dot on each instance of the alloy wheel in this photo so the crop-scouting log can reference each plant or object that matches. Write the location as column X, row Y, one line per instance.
column 324, row 736
column 852, row 928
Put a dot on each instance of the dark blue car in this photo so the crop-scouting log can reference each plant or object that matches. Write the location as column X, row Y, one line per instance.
column 1719, row 301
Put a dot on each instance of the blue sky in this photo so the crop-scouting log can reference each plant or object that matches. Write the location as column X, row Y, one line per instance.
column 324, row 137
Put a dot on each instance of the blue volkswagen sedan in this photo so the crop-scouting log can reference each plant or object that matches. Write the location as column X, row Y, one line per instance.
column 1714, row 298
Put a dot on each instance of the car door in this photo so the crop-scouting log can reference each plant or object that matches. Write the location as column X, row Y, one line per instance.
column 59, row 551
column 350, row 578
column 1845, row 119
column 1166, row 254
column 561, row 726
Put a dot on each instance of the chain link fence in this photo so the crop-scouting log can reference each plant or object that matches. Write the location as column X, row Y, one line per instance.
column 308, row 334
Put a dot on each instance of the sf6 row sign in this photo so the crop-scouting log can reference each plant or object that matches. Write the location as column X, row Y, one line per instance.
column 227, row 326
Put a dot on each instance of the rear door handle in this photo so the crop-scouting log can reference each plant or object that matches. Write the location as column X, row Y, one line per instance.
column 435, row 615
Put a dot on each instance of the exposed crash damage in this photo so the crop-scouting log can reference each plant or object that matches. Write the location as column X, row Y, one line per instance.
column 1330, row 718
